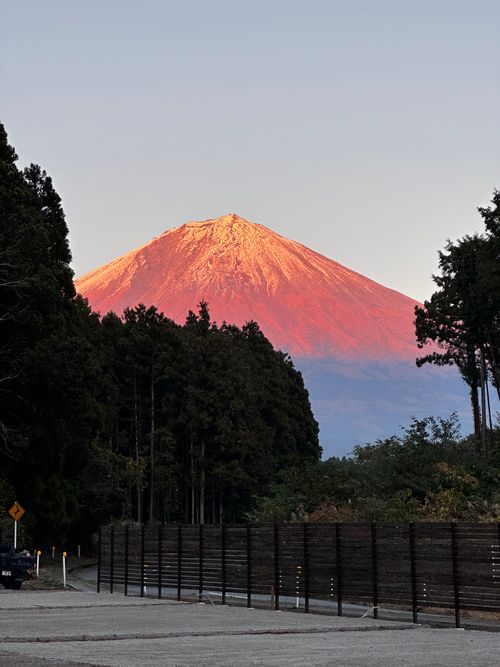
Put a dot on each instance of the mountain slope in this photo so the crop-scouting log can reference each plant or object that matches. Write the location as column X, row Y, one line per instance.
column 305, row 303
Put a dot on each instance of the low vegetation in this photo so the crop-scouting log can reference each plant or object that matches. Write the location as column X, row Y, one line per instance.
column 428, row 473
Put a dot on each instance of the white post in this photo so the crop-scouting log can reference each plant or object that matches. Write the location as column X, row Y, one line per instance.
column 64, row 568
column 15, row 534
column 38, row 563
column 53, row 552
column 78, row 551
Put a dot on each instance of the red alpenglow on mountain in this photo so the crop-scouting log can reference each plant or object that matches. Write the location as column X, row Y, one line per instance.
column 304, row 302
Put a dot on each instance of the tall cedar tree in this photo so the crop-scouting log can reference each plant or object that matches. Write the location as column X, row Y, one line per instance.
column 463, row 316
column 47, row 404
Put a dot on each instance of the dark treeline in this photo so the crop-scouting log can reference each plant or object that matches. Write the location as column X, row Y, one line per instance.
column 197, row 419
column 428, row 473
column 132, row 418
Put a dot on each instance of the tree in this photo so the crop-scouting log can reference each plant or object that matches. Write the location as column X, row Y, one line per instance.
column 462, row 318
column 48, row 408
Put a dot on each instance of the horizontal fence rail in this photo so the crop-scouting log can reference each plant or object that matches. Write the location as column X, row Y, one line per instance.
column 417, row 566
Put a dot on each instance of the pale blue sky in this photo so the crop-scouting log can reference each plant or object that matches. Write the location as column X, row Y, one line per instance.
column 369, row 130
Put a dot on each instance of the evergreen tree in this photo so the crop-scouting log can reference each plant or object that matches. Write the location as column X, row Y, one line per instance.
column 462, row 318
column 47, row 408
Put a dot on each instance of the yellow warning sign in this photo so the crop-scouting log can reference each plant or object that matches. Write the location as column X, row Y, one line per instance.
column 16, row 511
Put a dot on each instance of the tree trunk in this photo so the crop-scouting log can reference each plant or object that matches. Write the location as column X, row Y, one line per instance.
column 221, row 508
column 489, row 404
column 494, row 366
column 202, row 483
column 482, row 371
column 212, row 494
column 475, row 410
column 192, row 482
column 136, row 427
column 152, row 450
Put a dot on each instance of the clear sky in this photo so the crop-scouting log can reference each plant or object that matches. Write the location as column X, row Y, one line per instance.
column 367, row 130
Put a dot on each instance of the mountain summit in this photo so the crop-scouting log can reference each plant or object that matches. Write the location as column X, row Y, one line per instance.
column 305, row 303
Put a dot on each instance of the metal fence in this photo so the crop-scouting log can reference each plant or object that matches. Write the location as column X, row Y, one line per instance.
column 415, row 566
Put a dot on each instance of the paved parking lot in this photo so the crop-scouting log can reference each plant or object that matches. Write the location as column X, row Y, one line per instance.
column 78, row 628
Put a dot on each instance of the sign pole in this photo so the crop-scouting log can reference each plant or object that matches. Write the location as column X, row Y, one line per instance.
column 16, row 512
column 64, row 568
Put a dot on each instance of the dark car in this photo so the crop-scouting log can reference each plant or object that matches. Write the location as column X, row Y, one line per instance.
column 15, row 567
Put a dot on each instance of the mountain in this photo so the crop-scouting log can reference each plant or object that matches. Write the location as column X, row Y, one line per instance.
column 305, row 303
column 352, row 338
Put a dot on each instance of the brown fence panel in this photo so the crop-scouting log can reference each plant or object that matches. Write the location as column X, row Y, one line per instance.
column 105, row 560
column 212, row 559
column 119, row 556
column 434, row 565
column 190, row 544
column 150, row 577
column 262, row 559
column 291, row 560
column 356, row 554
column 169, row 555
column 134, row 560
column 235, row 560
column 322, row 561
column 451, row 567
column 479, row 566
column 394, row 564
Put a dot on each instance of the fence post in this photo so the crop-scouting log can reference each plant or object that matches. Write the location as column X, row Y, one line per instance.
column 200, row 554
column 223, row 561
column 413, row 566
column 142, row 559
column 160, row 549
column 249, row 565
column 99, row 559
column 179, row 562
column 456, row 581
column 374, row 568
column 276, row 568
column 125, row 576
column 306, row 568
column 112, row 560
column 338, row 553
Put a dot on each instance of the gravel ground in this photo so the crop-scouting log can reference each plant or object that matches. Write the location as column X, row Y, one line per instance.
column 79, row 629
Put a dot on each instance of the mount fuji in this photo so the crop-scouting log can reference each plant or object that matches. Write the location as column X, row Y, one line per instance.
column 352, row 338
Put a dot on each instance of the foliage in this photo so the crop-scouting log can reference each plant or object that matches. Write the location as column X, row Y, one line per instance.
column 427, row 473
column 461, row 320
column 131, row 417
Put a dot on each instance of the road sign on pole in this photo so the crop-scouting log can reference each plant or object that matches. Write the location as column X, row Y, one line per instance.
column 16, row 512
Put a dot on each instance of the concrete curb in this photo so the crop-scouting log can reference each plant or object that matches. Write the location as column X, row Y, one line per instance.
column 210, row 633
